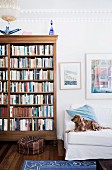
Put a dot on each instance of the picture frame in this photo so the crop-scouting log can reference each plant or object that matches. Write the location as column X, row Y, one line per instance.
column 70, row 75
column 99, row 76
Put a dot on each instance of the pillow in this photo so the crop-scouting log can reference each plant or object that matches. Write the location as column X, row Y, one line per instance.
column 86, row 111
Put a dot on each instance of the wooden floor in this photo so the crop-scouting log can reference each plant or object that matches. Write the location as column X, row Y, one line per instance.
column 10, row 159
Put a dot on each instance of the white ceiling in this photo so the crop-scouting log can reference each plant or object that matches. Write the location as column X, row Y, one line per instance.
column 65, row 4
column 35, row 9
column 61, row 9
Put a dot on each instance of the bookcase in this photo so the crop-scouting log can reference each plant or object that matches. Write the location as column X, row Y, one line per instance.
column 27, row 86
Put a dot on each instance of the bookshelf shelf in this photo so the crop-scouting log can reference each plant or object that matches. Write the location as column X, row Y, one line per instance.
column 39, row 68
column 41, row 117
column 13, row 135
column 32, row 56
column 3, row 80
column 31, row 104
column 3, row 56
column 31, row 92
column 27, row 86
column 3, row 68
column 31, row 80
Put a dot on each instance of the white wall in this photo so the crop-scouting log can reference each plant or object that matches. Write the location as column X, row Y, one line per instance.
column 72, row 47
column 85, row 28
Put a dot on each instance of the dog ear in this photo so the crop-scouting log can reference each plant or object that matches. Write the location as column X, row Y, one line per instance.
column 80, row 118
column 74, row 118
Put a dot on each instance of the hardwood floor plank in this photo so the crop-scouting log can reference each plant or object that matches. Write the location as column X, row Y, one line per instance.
column 8, row 160
column 53, row 153
column 45, row 154
column 19, row 163
column 12, row 160
column 1, row 144
column 16, row 159
column 61, row 151
column 3, row 148
column 4, row 151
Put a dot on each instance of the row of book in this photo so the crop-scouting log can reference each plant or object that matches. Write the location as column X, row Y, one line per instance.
column 3, row 86
column 4, row 62
column 4, row 75
column 3, row 124
column 27, row 49
column 31, row 62
column 41, row 111
column 31, row 99
column 3, row 111
column 29, row 87
column 19, row 124
column 31, row 75
column 32, row 49
column 3, row 49
column 3, row 98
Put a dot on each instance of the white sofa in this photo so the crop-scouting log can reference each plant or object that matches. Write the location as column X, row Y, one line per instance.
column 89, row 144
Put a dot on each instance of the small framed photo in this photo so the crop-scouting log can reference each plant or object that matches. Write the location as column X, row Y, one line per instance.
column 70, row 75
column 99, row 76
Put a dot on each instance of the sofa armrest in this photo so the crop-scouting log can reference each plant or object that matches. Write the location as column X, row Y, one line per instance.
column 68, row 124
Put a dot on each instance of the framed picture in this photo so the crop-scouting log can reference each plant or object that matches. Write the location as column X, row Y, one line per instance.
column 99, row 76
column 70, row 74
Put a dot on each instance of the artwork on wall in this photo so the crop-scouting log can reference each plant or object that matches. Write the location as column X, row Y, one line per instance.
column 70, row 75
column 99, row 76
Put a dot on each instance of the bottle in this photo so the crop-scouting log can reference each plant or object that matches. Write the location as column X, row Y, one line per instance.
column 51, row 32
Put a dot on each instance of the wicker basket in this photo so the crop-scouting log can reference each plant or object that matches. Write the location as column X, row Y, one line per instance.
column 30, row 145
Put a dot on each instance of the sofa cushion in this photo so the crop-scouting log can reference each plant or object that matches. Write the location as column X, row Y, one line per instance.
column 86, row 111
column 101, row 138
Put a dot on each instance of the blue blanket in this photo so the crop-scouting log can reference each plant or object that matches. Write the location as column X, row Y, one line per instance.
column 59, row 165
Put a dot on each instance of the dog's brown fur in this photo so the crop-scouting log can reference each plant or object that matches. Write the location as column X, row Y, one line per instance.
column 83, row 125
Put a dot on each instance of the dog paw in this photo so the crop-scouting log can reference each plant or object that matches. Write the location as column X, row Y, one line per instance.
column 67, row 131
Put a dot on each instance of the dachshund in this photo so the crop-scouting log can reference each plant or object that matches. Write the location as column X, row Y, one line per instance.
column 83, row 125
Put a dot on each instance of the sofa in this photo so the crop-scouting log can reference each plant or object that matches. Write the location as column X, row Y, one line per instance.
column 89, row 144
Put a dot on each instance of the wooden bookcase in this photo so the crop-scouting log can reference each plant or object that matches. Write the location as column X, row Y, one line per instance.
column 27, row 86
